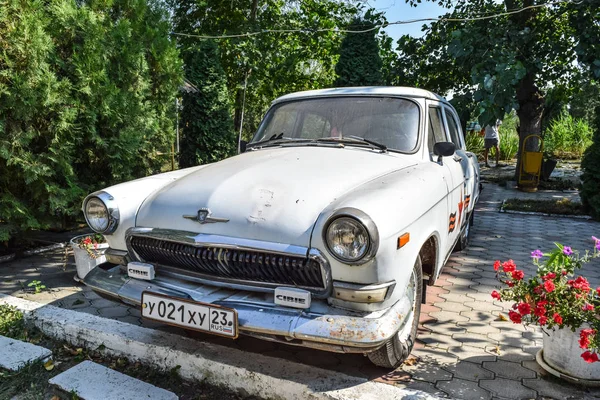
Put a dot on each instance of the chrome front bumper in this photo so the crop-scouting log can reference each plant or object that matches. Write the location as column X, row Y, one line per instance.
column 322, row 326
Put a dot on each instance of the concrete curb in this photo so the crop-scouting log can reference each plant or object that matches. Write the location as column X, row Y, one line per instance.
column 235, row 370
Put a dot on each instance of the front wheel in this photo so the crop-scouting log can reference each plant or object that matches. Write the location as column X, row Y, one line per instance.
column 393, row 353
column 465, row 233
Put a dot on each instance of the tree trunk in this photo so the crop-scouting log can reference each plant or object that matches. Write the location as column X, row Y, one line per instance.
column 530, row 112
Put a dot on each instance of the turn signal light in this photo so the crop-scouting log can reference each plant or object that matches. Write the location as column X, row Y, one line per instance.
column 361, row 296
column 403, row 239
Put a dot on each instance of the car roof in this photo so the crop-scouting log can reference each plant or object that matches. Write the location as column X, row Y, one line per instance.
column 362, row 91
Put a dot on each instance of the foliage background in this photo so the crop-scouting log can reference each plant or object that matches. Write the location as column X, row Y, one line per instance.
column 87, row 94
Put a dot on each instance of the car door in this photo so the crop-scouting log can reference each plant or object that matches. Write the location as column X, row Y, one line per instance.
column 466, row 200
column 453, row 175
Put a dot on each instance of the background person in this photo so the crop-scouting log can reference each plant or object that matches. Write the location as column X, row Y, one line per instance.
column 492, row 139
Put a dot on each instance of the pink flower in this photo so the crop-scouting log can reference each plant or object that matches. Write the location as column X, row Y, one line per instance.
column 567, row 251
column 588, row 307
column 537, row 254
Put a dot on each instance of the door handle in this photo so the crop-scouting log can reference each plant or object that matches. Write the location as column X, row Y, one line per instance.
column 457, row 158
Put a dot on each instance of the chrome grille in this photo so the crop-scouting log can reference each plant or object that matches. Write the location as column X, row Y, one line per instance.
column 232, row 264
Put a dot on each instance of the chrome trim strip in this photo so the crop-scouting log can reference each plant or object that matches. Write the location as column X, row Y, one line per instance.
column 115, row 256
column 366, row 221
column 111, row 207
column 228, row 242
column 359, row 287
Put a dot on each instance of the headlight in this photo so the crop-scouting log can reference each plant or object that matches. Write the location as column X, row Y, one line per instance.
column 101, row 212
column 351, row 236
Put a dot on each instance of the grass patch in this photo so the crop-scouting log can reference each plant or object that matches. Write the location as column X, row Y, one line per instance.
column 560, row 206
column 31, row 381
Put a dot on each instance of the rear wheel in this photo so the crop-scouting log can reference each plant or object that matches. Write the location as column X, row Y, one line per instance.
column 397, row 349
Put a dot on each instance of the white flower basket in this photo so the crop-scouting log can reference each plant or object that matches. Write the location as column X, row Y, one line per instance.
column 561, row 356
column 83, row 261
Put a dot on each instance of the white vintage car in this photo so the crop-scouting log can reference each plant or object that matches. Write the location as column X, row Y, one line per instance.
column 323, row 233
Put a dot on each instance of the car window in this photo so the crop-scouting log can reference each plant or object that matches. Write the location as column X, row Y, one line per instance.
column 454, row 130
column 314, row 126
column 436, row 133
column 391, row 121
column 283, row 122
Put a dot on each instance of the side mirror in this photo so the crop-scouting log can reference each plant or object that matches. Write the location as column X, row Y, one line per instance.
column 444, row 149
column 243, row 144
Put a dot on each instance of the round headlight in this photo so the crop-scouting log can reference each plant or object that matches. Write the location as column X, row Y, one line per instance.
column 347, row 239
column 96, row 214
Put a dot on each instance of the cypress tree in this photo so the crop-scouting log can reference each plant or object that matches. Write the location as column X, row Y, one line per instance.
column 206, row 124
column 360, row 63
column 590, row 164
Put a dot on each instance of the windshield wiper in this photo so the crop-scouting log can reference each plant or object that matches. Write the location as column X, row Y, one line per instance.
column 356, row 139
column 274, row 140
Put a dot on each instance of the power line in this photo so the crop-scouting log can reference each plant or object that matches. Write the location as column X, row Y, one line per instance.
column 405, row 22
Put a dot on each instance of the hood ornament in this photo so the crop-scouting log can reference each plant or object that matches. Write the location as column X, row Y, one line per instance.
column 203, row 217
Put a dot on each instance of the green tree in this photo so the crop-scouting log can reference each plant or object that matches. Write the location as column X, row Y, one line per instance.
column 507, row 61
column 206, row 124
column 270, row 64
column 86, row 100
column 590, row 164
column 360, row 61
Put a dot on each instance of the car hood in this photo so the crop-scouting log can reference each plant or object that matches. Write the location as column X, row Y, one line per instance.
column 273, row 194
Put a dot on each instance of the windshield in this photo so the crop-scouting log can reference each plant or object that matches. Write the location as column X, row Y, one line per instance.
column 390, row 121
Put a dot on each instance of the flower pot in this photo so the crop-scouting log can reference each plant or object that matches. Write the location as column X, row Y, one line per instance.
column 561, row 356
column 83, row 261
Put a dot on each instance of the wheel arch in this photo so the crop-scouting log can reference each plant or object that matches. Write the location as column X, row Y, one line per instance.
column 429, row 253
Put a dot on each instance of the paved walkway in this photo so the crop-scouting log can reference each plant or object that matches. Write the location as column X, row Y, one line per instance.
column 464, row 351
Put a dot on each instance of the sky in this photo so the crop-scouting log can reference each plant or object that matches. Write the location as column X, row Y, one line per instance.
column 398, row 10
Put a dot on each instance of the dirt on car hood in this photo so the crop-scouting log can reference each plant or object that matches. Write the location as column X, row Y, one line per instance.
column 273, row 194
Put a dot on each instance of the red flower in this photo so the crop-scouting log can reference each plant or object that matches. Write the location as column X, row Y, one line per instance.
column 540, row 310
column 589, row 357
column 87, row 240
column 496, row 265
column 543, row 320
column 510, row 284
column 524, row 309
column 598, row 290
column 584, row 337
column 557, row 318
column 548, row 276
column 496, row 295
column 538, row 289
column 509, row 266
column 514, row 317
column 518, row 275
column 549, row 286
column 564, row 272
column 588, row 307
column 580, row 283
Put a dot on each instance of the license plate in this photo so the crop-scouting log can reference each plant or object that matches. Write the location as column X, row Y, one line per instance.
column 188, row 314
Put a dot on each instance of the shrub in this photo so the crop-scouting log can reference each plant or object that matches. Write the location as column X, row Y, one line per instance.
column 567, row 137
column 474, row 143
column 590, row 164
column 87, row 93
column 509, row 138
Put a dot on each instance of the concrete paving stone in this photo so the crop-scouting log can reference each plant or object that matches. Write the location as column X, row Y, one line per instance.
column 439, row 341
column 448, row 316
column 113, row 312
column 510, row 339
column 482, row 306
column 535, row 367
column 130, row 320
column 455, row 297
column 456, row 281
column 477, row 316
column 73, row 304
column 509, row 370
column 515, row 354
column 452, row 307
column 472, row 354
column 508, row 388
column 480, row 328
column 486, row 281
column 469, row 371
column 427, row 372
column 444, row 327
column 88, row 310
column 463, row 389
column 15, row 354
column 433, row 356
column 483, row 297
column 473, row 339
column 103, row 303
column 554, row 389
column 93, row 381
column 427, row 388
